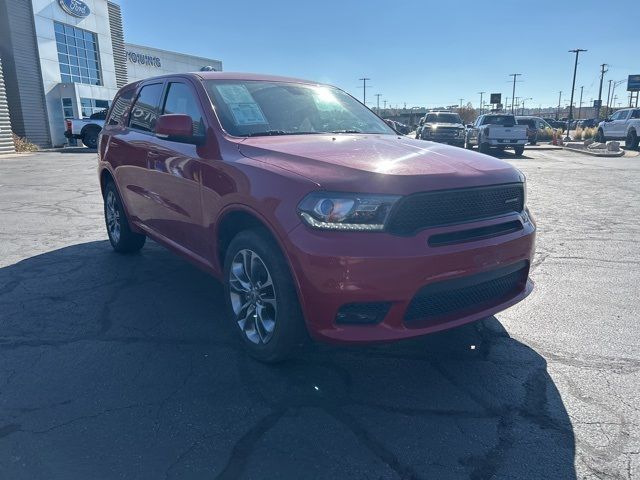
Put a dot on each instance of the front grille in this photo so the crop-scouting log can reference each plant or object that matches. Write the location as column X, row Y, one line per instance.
column 447, row 207
column 477, row 291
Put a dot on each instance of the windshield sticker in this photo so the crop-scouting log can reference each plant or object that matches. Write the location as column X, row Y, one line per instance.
column 247, row 114
column 235, row 94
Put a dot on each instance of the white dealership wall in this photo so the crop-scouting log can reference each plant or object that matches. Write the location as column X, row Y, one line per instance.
column 144, row 62
column 35, row 89
column 45, row 13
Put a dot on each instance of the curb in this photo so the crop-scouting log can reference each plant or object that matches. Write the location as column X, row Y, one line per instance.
column 595, row 154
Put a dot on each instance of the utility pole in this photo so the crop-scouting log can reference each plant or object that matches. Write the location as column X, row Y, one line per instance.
column 524, row 100
column 364, row 89
column 608, row 98
column 513, row 93
column 573, row 86
column 602, row 72
column 481, row 93
column 559, row 101
column 580, row 107
column 378, row 95
column 385, row 104
column 615, row 84
column 507, row 102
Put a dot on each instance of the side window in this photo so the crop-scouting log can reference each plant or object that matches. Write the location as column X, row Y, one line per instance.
column 120, row 108
column 635, row 114
column 616, row 116
column 145, row 111
column 180, row 99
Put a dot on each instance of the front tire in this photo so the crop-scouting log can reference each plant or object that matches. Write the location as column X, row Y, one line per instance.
column 122, row 239
column 261, row 297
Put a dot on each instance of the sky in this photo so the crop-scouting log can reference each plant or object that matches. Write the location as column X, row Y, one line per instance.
column 422, row 53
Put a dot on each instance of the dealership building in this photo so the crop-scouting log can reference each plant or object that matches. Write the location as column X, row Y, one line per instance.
column 67, row 58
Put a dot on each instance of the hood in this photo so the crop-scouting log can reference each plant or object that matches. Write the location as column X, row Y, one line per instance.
column 378, row 163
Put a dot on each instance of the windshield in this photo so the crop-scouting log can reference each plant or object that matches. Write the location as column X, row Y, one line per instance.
column 253, row 108
column 504, row 120
column 443, row 118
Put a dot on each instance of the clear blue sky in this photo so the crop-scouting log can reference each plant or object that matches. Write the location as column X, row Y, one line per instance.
column 422, row 52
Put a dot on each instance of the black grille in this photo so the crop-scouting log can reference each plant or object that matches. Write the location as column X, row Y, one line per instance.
column 447, row 207
column 477, row 291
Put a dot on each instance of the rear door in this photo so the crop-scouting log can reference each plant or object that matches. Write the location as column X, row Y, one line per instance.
column 175, row 172
column 135, row 142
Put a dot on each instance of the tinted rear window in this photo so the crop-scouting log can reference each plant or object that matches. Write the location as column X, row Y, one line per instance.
column 145, row 111
column 504, row 120
column 527, row 121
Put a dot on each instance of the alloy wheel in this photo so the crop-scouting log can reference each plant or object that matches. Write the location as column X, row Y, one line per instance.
column 253, row 296
column 112, row 213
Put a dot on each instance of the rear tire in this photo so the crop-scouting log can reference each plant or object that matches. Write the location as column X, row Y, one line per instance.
column 632, row 140
column 122, row 239
column 519, row 151
column 90, row 138
column 484, row 148
column 600, row 137
column 261, row 297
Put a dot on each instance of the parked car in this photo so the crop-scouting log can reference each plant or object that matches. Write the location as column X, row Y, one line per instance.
column 443, row 127
column 402, row 128
column 317, row 217
column 534, row 125
column 496, row 130
column 419, row 129
column 622, row 125
column 588, row 123
column 556, row 123
column 86, row 129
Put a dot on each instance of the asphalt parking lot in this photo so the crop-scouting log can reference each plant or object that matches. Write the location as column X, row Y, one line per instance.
column 124, row 367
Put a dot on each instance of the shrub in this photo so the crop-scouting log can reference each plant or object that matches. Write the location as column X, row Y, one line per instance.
column 585, row 133
column 23, row 145
column 545, row 134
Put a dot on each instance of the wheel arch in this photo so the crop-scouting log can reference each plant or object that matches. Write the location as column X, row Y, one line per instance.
column 237, row 218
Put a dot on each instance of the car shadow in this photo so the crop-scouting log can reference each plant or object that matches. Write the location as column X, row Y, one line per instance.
column 123, row 366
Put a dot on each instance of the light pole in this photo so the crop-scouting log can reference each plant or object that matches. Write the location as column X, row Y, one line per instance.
column 364, row 89
column 378, row 95
column 513, row 93
column 608, row 98
column 602, row 72
column 559, row 101
column 481, row 93
column 615, row 84
column 573, row 86
column 580, row 107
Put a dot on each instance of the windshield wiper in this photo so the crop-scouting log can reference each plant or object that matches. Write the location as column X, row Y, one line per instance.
column 267, row 133
column 346, row 131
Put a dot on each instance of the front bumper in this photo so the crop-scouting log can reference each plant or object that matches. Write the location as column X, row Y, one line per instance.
column 334, row 269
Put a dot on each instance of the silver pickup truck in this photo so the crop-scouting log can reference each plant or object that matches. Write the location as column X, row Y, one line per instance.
column 622, row 125
column 496, row 130
column 86, row 129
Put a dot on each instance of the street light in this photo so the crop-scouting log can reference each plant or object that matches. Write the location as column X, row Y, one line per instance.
column 573, row 86
column 513, row 93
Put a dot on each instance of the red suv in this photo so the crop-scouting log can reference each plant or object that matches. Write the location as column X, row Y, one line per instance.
column 315, row 214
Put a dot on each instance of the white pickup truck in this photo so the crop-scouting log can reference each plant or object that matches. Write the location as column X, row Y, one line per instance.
column 622, row 125
column 86, row 129
column 496, row 130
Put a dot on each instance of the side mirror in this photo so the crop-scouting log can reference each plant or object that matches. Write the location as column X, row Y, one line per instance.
column 177, row 127
column 608, row 119
column 469, row 126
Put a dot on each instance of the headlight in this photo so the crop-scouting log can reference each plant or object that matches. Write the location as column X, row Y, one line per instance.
column 346, row 211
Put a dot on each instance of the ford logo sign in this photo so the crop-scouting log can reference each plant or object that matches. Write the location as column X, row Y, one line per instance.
column 77, row 8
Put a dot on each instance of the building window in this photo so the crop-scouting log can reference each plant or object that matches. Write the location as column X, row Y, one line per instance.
column 67, row 108
column 78, row 55
column 89, row 106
